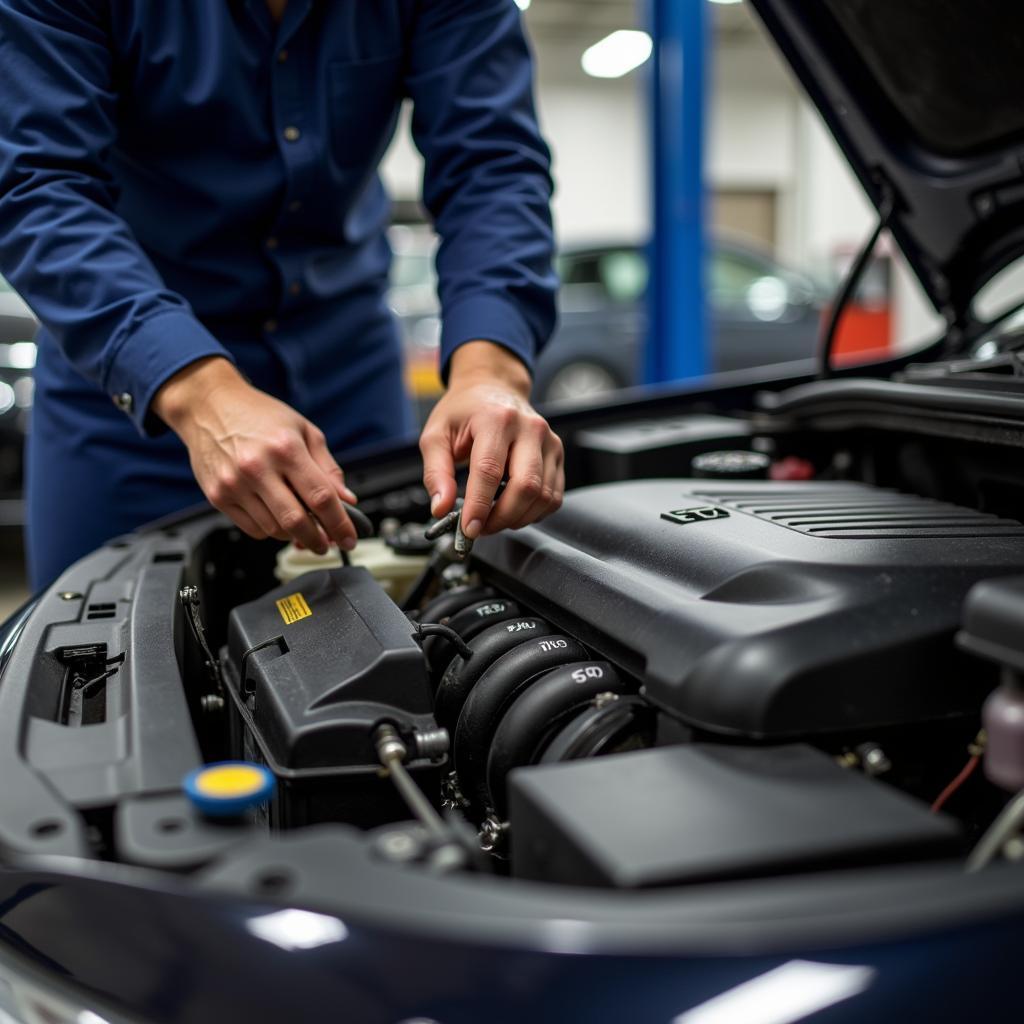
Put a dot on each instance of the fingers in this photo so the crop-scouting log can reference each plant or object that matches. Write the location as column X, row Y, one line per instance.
column 291, row 516
column 286, row 492
column 438, row 470
column 325, row 460
column 554, row 478
column 245, row 522
column 536, row 479
column 320, row 495
column 486, row 469
column 525, row 482
column 255, row 507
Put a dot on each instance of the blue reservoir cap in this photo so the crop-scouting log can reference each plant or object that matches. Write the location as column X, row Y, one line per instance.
column 228, row 788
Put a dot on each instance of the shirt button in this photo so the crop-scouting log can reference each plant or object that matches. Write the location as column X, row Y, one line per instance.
column 123, row 401
column 292, row 134
column 270, row 326
column 282, row 56
column 271, row 243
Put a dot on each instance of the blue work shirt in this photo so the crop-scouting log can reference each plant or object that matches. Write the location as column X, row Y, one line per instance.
column 180, row 178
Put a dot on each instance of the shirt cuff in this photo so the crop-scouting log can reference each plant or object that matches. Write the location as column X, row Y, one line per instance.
column 151, row 354
column 486, row 318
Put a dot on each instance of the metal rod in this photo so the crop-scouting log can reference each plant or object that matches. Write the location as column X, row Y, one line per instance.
column 392, row 753
column 1003, row 829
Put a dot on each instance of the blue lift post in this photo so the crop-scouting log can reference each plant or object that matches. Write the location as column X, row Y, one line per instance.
column 677, row 341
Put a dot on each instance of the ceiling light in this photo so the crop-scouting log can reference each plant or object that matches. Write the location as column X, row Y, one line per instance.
column 618, row 54
column 727, row 1
column 523, row 4
column 19, row 356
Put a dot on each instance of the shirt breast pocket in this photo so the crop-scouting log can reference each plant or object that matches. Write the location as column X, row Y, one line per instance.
column 362, row 107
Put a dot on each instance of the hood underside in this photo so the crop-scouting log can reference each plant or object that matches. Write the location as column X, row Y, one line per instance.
column 926, row 100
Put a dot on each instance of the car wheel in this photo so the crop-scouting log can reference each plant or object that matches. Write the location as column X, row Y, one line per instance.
column 575, row 381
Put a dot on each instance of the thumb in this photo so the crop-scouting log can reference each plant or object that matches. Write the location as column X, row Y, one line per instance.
column 438, row 472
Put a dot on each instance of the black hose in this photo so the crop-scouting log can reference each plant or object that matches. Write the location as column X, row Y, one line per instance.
column 425, row 629
column 361, row 521
column 849, row 286
column 462, row 674
column 426, row 579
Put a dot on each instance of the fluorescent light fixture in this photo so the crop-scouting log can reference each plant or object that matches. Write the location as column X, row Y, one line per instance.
column 727, row 1
column 19, row 356
column 523, row 5
column 789, row 993
column 297, row 929
column 618, row 54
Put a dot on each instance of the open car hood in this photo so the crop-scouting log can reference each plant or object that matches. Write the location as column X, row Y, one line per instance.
column 926, row 100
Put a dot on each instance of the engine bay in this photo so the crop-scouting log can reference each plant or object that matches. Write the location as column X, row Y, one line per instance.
column 740, row 651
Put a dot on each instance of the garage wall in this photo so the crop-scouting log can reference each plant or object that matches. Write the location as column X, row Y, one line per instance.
column 762, row 136
column 598, row 136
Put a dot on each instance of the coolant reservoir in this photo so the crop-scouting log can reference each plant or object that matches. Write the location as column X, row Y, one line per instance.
column 395, row 573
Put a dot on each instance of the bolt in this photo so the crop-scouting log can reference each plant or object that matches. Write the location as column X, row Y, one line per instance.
column 69, row 595
column 389, row 745
column 433, row 743
column 604, row 699
column 211, row 703
column 873, row 759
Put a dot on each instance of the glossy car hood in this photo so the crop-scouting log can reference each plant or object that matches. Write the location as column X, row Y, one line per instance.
column 926, row 99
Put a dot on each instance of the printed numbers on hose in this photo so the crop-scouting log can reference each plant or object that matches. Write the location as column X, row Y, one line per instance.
column 581, row 675
column 553, row 645
column 490, row 609
column 515, row 627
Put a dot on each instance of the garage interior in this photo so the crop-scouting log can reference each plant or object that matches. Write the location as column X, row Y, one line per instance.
column 679, row 680
column 773, row 181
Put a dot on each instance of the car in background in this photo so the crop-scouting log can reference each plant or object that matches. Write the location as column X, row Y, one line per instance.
column 18, row 328
column 761, row 313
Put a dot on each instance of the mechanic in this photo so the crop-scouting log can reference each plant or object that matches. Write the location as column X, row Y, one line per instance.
column 189, row 202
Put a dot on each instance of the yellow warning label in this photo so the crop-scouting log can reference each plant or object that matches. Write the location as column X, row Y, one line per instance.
column 292, row 608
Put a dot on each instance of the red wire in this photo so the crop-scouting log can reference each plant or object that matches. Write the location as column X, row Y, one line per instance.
column 965, row 774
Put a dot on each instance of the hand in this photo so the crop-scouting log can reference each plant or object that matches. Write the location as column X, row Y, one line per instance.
column 256, row 459
column 486, row 417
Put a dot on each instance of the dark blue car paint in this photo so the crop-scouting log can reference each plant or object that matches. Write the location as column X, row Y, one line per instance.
column 159, row 955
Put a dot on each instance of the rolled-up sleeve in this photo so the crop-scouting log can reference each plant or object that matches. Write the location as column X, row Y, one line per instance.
column 62, row 244
column 487, row 181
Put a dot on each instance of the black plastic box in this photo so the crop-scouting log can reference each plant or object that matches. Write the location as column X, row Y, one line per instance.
column 313, row 668
column 656, row 448
column 705, row 812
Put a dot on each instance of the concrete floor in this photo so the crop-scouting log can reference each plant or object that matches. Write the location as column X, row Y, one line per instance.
column 13, row 588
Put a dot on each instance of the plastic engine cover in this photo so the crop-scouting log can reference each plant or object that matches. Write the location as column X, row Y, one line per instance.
column 766, row 610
